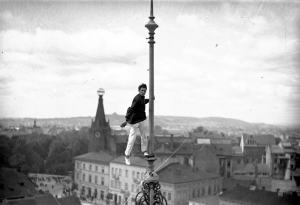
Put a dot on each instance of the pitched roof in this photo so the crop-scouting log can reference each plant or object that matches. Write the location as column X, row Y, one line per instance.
column 229, row 183
column 14, row 184
column 207, row 200
column 142, row 162
column 275, row 149
column 46, row 199
column 162, row 150
column 240, row 194
column 97, row 157
column 262, row 168
column 69, row 200
column 261, row 140
column 177, row 173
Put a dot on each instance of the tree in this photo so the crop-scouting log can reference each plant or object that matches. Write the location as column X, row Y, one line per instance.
column 198, row 129
column 74, row 186
column 6, row 151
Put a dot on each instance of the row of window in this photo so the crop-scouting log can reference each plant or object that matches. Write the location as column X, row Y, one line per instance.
column 87, row 191
column 89, row 179
column 90, row 167
column 135, row 175
column 118, row 185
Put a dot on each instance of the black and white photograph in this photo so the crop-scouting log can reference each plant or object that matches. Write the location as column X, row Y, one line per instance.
column 149, row 102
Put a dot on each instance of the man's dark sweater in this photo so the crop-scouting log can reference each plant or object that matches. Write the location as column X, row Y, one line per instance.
column 136, row 113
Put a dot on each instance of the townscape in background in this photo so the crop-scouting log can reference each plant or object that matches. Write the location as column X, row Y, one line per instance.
column 199, row 161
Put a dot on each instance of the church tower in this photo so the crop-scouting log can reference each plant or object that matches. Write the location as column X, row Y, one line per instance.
column 100, row 132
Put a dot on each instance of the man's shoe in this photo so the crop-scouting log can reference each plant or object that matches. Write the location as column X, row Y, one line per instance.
column 127, row 160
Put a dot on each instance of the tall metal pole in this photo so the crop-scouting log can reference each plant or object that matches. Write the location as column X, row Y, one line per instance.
column 151, row 25
column 151, row 193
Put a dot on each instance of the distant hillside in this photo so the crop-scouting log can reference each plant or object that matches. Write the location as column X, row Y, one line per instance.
column 169, row 122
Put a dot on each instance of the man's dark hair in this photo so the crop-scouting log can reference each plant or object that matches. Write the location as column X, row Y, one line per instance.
column 142, row 86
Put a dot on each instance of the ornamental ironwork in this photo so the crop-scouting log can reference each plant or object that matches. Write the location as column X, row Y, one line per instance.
column 143, row 197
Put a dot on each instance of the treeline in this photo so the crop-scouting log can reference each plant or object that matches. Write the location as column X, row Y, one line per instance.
column 44, row 153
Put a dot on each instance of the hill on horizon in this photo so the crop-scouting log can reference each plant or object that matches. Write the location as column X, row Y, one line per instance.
column 170, row 122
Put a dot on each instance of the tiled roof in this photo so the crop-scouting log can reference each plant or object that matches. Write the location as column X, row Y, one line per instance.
column 98, row 157
column 69, row 200
column 229, row 183
column 260, row 139
column 275, row 149
column 177, row 173
column 46, row 199
column 262, row 168
column 240, row 194
column 162, row 150
column 249, row 168
column 14, row 184
column 142, row 162
column 207, row 200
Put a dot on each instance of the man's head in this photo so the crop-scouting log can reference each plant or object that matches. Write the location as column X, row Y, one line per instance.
column 142, row 89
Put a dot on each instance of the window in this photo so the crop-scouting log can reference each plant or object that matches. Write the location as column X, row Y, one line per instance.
column 169, row 196
column 137, row 175
column 90, row 167
column 77, row 165
column 90, row 178
column 133, row 174
column 96, row 179
column 208, row 190
column 83, row 166
column 95, row 193
column 102, row 180
column 83, row 176
column 132, row 188
column 228, row 163
column 120, row 172
column 164, row 193
column 112, row 170
column 198, row 193
column 194, row 193
column 96, row 168
column 112, row 184
column 292, row 166
column 126, row 173
column 126, row 186
column 203, row 192
column 102, row 195
column 77, row 175
column 102, row 170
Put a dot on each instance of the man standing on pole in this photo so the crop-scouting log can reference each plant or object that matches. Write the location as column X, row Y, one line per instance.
column 136, row 117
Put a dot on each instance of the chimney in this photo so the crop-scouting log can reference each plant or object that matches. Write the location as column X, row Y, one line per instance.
column 171, row 144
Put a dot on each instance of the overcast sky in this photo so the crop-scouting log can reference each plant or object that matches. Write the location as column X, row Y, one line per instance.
column 225, row 59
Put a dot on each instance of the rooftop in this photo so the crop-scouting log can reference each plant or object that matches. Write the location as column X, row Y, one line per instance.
column 46, row 199
column 229, row 183
column 260, row 140
column 275, row 149
column 207, row 200
column 240, row 194
column 14, row 184
column 69, row 200
column 97, row 157
column 177, row 173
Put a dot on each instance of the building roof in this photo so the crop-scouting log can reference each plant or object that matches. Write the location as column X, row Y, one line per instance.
column 240, row 194
column 249, row 168
column 14, row 184
column 177, row 173
column 237, row 150
column 262, row 168
column 229, row 183
column 141, row 162
column 207, row 200
column 46, row 199
column 260, row 140
column 69, row 200
column 276, row 149
column 162, row 150
column 97, row 157
column 223, row 149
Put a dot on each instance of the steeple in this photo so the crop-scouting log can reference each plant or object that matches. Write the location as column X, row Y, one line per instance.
column 100, row 121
